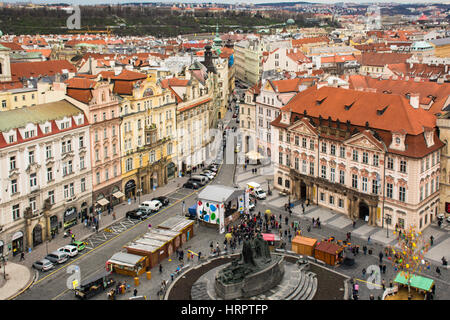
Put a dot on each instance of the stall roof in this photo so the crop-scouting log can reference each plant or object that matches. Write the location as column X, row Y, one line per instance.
column 328, row 247
column 94, row 277
column 304, row 240
column 157, row 236
column 142, row 247
column 176, row 223
column 166, row 232
column 126, row 259
column 151, row 241
column 219, row 193
column 418, row 282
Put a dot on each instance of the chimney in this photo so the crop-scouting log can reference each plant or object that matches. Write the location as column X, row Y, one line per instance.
column 414, row 100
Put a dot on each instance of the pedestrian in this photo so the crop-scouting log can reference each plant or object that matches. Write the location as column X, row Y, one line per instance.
column 371, row 297
column 438, row 271
column 22, row 256
column 114, row 215
column 135, row 292
column 383, row 284
column 364, row 272
column 354, row 224
column 381, row 256
column 199, row 255
column 391, row 285
column 384, row 268
column 160, row 268
column 431, row 240
column 368, row 240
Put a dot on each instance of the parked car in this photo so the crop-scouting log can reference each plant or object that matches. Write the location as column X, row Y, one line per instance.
column 191, row 185
column 210, row 172
column 153, row 205
column 72, row 251
column 207, row 174
column 138, row 214
column 57, row 257
column 79, row 244
column 163, row 200
column 43, row 265
column 213, row 167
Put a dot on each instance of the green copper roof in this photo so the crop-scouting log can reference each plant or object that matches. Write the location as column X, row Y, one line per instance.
column 18, row 118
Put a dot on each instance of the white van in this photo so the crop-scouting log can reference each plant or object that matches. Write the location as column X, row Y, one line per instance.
column 200, row 180
column 72, row 251
column 256, row 190
column 150, row 206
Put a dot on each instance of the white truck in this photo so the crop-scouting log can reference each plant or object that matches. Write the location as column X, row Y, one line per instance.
column 256, row 190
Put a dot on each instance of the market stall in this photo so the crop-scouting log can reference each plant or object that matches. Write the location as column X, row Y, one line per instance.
column 219, row 205
column 94, row 285
column 152, row 252
column 420, row 287
column 304, row 245
column 179, row 224
column 127, row 264
column 272, row 239
column 328, row 252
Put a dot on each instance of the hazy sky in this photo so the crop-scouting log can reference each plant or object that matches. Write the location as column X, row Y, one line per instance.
column 224, row 1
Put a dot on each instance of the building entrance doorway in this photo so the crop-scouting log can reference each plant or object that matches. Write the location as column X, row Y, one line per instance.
column 363, row 211
column 302, row 190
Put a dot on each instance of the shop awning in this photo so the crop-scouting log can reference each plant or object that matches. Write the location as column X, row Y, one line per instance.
column 103, row 202
column 118, row 194
column 270, row 237
column 418, row 282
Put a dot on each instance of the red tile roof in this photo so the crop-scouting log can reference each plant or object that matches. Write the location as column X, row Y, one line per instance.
column 194, row 105
column 12, row 45
column 362, row 106
column 382, row 59
column 40, row 68
column 301, row 42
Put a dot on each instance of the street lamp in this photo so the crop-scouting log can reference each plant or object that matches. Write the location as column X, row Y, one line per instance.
column 388, row 222
column 4, row 260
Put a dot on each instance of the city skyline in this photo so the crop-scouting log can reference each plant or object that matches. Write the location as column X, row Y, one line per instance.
column 95, row 2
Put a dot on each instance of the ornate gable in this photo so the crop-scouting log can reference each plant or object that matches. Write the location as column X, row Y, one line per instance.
column 365, row 141
column 304, row 127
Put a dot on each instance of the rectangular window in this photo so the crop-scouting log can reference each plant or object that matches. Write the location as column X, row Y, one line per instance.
column 364, row 184
column 296, row 164
column 332, row 174
column 81, row 163
column 421, row 193
column 83, row 184
column 375, row 186
column 322, row 196
column 48, row 151
column 33, row 204
column 12, row 163
column 66, row 191
column 342, row 152
column 311, row 168
column 297, row 140
column 365, row 158
column 115, row 171
column 389, row 190
column 69, row 145
column 355, row 155
column 403, row 166
column 390, row 163
column 31, row 157
column 49, row 174
column 355, row 181
column 98, row 177
column 81, row 142
column 51, row 196
column 402, row 194
column 288, row 160
column 324, row 147
column 304, row 143
column 72, row 189
column 375, row 160
column 340, row 203
column 333, row 150
column 280, row 136
column 437, row 183
column 13, row 186
column 324, row 172
column 16, row 212
column 341, row 176
column 280, row 158
column 311, row 144
column 331, row 199
column 304, row 166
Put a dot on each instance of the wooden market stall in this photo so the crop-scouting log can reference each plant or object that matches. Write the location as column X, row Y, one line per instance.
column 152, row 252
column 127, row 264
column 421, row 287
column 179, row 224
column 164, row 242
column 328, row 252
column 304, row 245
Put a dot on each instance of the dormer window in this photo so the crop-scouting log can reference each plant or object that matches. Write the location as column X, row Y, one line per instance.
column 397, row 140
column 29, row 134
column 11, row 138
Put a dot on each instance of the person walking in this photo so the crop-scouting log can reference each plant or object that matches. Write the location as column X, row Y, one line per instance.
column 199, row 255
column 364, row 272
column 160, row 268
column 381, row 256
column 22, row 256
column 368, row 240
column 431, row 240
column 135, row 292
column 438, row 271
column 384, row 268
column 354, row 224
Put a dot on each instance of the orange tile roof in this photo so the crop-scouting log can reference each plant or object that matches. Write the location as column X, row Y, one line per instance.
column 382, row 58
column 301, row 42
column 12, row 45
column 40, row 68
column 194, row 105
column 364, row 106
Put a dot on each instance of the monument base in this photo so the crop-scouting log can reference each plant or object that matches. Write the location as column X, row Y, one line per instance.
column 253, row 284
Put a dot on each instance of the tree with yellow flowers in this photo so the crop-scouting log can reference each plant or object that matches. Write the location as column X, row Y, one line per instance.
column 408, row 259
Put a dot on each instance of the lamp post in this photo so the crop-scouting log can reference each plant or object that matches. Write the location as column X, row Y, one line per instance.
column 4, row 260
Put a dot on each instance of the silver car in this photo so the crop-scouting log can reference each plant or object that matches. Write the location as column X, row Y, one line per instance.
column 43, row 265
column 57, row 257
